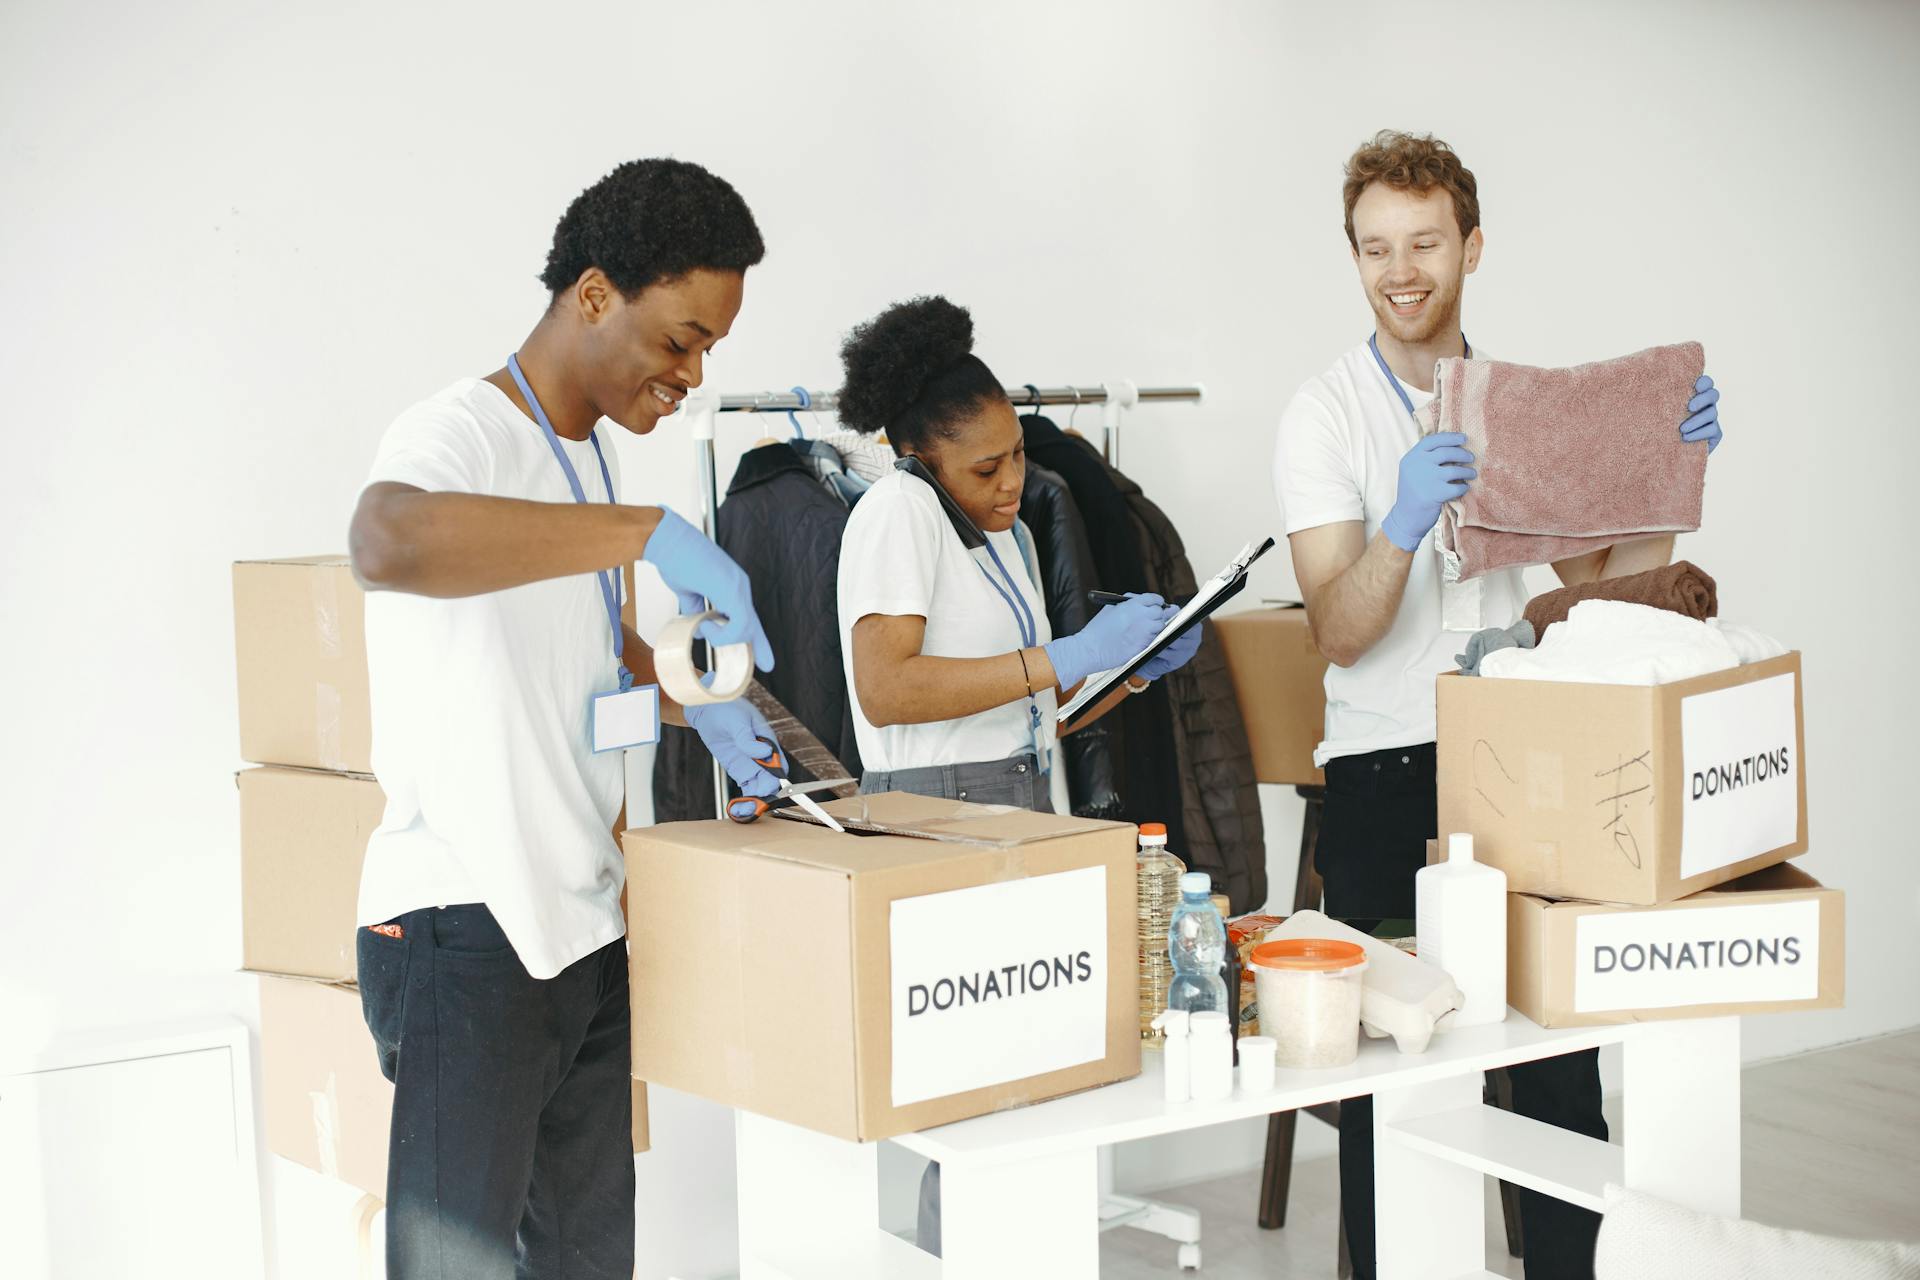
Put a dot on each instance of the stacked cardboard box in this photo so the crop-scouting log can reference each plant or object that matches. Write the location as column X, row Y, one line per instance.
column 306, row 812
column 1642, row 831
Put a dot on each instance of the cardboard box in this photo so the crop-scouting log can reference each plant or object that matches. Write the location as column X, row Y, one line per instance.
column 299, row 637
column 303, row 836
column 1771, row 942
column 325, row 1103
column 1630, row 794
column 940, row 960
column 1280, row 681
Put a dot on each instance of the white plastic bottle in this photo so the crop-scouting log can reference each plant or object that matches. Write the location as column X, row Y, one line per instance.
column 1460, row 917
column 1212, row 1068
column 1177, row 1059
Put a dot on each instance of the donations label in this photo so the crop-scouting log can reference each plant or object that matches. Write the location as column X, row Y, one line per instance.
column 1740, row 774
column 998, row 982
column 1766, row 952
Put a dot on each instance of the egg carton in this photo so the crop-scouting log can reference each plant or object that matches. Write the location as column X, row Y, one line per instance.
column 1401, row 995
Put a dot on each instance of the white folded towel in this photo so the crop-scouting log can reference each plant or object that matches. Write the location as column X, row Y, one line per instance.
column 1645, row 1238
column 1612, row 642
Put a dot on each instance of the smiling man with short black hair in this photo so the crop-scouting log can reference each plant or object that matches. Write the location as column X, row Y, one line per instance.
column 492, row 957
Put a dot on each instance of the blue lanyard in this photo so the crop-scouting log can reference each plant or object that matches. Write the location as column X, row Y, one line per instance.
column 609, row 595
column 1029, row 637
column 1022, row 615
column 1373, row 344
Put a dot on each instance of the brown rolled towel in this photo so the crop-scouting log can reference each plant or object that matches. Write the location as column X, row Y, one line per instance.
column 1681, row 587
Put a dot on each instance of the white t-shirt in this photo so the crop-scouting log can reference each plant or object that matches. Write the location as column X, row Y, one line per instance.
column 902, row 557
column 1341, row 440
column 480, row 738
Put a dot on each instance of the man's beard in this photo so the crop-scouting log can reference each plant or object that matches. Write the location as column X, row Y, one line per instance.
column 1442, row 315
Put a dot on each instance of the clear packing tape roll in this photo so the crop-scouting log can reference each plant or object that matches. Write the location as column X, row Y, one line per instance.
column 682, row 681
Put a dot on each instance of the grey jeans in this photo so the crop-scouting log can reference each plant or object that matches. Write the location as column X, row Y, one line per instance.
column 1015, row 781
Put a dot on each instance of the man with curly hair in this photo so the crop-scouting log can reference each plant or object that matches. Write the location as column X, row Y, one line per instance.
column 490, row 536
column 1361, row 491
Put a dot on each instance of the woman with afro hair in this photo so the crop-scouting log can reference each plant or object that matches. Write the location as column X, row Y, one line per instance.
column 955, row 672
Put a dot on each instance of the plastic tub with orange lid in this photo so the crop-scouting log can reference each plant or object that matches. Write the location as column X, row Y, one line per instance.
column 1309, row 992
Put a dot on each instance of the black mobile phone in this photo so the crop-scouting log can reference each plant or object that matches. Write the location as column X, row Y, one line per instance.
column 970, row 536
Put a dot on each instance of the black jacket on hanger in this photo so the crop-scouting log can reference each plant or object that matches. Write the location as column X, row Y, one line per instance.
column 1066, row 575
column 1220, row 799
column 784, row 528
column 1140, row 729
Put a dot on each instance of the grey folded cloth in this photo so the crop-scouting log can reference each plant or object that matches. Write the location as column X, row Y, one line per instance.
column 1481, row 643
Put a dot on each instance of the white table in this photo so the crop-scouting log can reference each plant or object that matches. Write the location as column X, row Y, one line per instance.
column 1019, row 1188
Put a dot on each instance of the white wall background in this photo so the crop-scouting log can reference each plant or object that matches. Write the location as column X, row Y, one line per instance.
column 238, row 239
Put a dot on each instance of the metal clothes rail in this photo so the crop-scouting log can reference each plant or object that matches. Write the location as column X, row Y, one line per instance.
column 702, row 410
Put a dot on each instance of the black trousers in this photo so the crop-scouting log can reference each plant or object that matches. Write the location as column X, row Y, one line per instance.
column 1381, row 810
column 512, row 1145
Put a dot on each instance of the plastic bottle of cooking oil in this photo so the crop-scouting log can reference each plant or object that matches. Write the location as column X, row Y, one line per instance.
column 1159, row 886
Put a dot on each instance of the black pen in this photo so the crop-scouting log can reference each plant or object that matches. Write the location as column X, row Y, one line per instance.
column 1118, row 597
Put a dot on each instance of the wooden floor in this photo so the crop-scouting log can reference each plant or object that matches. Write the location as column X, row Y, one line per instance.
column 1831, row 1143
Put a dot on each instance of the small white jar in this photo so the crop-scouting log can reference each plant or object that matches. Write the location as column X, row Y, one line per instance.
column 1256, row 1063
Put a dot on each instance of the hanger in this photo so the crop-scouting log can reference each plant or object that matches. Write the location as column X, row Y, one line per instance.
column 1035, row 393
column 793, row 418
column 1074, row 412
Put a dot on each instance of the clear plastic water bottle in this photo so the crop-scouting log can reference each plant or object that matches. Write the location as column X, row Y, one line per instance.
column 1197, row 943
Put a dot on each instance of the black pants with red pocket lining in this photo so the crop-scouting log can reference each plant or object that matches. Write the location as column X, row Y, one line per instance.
column 512, row 1147
column 1381, row 810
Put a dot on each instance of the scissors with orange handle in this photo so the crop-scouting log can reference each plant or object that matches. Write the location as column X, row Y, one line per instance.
column 749, row 808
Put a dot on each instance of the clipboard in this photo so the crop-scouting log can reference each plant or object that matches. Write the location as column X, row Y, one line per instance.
column 1216, row 591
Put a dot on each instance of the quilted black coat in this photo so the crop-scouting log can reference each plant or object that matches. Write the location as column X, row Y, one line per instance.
column 1066, row 575
column 1140, row 729
column 784, row 528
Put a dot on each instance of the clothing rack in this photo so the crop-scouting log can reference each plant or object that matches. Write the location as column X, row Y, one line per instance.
column 703, row 408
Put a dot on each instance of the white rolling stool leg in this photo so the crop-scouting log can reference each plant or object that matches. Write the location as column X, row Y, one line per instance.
column 1175, row 1222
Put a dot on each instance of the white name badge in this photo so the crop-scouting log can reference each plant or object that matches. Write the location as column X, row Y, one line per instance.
column 617, row 720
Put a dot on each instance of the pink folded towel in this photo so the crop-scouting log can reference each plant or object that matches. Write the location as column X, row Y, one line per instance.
column 1570, row 460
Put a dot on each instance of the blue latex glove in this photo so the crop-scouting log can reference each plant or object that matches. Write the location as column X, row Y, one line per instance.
column 1175, row 655
column 1704, row 424
column 1433, row 473
column 694, row 567
column 739, row 737
column 1114, row 635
